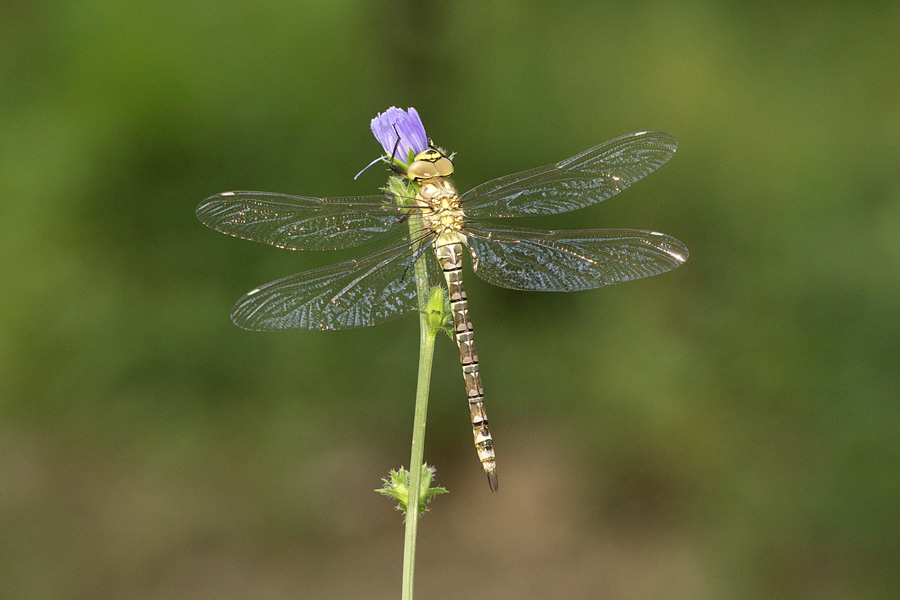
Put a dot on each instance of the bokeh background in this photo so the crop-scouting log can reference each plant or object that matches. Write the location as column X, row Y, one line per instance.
column 727, row 430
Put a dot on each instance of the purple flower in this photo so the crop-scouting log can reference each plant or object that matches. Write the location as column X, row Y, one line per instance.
column 395, row 121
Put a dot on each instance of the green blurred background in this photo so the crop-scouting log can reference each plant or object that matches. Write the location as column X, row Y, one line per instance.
column 727, row 430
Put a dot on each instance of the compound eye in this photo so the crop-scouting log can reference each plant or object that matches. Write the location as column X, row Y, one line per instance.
column 421, row 169
column 443, row 166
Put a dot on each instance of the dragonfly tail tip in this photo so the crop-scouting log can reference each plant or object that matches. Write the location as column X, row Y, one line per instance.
column 492, row 480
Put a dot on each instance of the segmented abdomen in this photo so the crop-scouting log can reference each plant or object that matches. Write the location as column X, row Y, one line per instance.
column 449, row 254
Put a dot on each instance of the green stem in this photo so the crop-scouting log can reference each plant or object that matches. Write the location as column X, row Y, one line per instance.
column 417, row 454
column 417, row 457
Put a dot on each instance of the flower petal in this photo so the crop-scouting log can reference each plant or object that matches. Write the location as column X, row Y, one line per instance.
column 415, row 132
column 387, row 125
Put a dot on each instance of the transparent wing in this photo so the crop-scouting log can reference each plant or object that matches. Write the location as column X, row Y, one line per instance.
column 299, row 222
column 356, row 293
column 585, row 179
column 566, row 261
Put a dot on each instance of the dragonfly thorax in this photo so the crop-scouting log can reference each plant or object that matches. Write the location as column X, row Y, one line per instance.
column 444, row 214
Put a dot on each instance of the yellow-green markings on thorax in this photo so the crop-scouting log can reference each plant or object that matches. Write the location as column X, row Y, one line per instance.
column 445, row 218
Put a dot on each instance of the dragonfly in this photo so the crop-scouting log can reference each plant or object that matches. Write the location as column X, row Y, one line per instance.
column 383, row 285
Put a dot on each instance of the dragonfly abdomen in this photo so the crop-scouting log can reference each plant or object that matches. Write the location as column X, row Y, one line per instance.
column 449, row 254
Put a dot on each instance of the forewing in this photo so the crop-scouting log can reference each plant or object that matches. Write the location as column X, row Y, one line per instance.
column 299, row 222
column 357, row 293
column 566, row 261
column 585, row 179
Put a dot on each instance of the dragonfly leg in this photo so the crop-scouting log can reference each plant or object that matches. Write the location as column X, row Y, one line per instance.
column 393, row 156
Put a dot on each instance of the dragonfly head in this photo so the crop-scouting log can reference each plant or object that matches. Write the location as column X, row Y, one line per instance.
column 428, row 164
